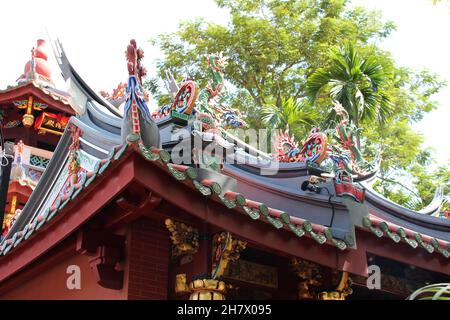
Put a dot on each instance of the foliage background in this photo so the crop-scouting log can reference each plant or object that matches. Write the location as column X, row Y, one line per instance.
column 274, row 46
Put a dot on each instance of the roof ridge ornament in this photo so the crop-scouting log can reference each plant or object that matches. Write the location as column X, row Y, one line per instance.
column 37, row 69
column 339, row 151
column 134, row 61
column 137, row 124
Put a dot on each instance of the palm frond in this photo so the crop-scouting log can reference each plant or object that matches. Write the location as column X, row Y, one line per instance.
column 291, row 113
column 355, row 82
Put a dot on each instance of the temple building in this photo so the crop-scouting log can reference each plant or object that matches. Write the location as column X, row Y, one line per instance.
column 33, row 115
column 107, row 200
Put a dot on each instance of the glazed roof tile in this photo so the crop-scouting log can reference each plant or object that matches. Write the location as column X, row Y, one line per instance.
column 397, row 234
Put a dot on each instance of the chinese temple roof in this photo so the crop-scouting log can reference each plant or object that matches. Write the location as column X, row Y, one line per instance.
column 338, row 223
column 231, row 200
column 59, row 98
column 37, row 79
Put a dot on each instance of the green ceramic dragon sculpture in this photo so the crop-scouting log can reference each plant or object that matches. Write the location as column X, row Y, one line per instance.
column 344, row 156
column 346, row 133
column 216, row 65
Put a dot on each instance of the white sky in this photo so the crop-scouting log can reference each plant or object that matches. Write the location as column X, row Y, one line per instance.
column 95, row 35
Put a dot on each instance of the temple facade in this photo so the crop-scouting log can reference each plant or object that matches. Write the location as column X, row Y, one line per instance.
column 107, row 200
column 33, row 116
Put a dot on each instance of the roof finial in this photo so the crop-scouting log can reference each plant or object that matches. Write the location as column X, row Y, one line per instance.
column 37, row 67
column 134, row 61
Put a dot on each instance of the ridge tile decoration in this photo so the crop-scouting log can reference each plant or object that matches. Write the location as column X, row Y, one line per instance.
column 397, row 234
column 319, row 151
column 202, row 104
column 37, row 69
column 118, row 95
column 137, row 120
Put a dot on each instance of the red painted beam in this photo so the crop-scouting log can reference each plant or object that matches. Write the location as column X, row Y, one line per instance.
column 73, row 217
column 353, row 261
column 233, row 221
column 402, row 252
column 20, row 92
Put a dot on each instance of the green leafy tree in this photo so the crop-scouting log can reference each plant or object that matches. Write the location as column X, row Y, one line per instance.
column 274, row 46
column 356, row 81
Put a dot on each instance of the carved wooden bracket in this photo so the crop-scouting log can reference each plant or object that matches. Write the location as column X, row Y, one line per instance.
column 106, row 250
column 309, row 276
column 312, row 279
column 226, row 249
column 185, row 239
column 342, row 290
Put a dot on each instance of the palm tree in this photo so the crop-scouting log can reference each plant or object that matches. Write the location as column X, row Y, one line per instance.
column 356, row 82
column 297, row 115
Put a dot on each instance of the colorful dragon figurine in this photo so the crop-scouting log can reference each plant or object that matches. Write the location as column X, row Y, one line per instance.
column 189, row 100
column 344, row 156
column 350, row 158
column 216, row 66
column 137, row 119
column 117, row 97
column 314, row 149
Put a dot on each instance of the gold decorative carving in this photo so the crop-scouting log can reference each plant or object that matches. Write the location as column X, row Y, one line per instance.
column 180, row 284
column 311, row 280
column 309, row 276
column 342, row 291
column 225, row 250
column 184, row 238
column 28, row 120
column 254, row 273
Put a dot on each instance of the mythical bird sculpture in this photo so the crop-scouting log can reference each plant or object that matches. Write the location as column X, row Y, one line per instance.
column 137, row 119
